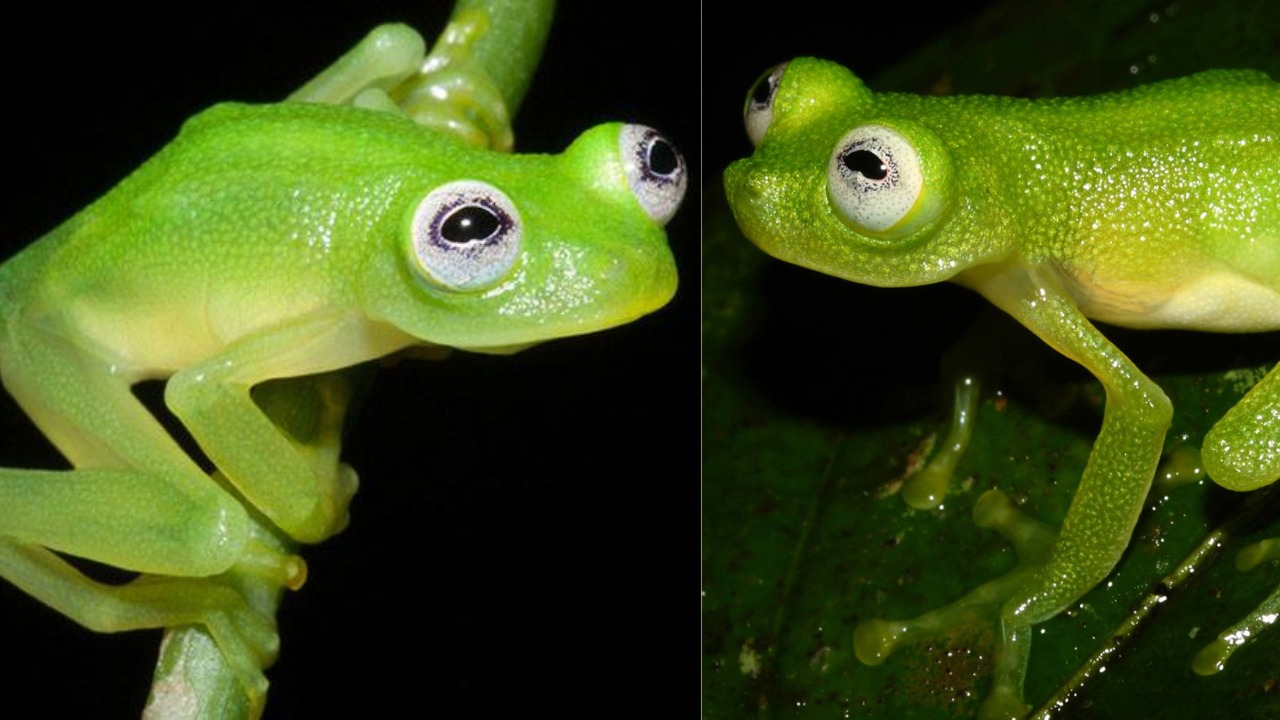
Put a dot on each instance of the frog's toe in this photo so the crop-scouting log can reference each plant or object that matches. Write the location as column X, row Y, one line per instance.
column 1258, row 553
column 1212, row 657
column 875, row 640
column 1004, row 703
column 926, row 489
column 993, row 510
column 1032, row 540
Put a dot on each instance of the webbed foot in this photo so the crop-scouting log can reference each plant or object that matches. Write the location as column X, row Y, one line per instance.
column 876, row 639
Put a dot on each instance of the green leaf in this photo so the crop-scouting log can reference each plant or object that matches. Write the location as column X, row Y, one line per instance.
column 818, row 394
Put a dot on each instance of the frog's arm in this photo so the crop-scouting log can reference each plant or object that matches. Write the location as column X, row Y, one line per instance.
column 192, row 668
column 1115, row 481
column 1053, row 572
column 470, row 84
column 1103, row 512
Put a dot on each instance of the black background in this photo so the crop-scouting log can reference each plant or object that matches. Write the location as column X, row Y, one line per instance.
column 521, row 520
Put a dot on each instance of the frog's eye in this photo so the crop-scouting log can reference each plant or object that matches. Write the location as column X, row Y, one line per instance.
column 758, row 113
column 466, row 235
column 876, row 182
column 655, row 171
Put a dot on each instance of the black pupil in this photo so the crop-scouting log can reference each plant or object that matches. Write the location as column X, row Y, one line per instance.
column 663, row 159
column 866, row 163
column 468, row 224
column 763, row 89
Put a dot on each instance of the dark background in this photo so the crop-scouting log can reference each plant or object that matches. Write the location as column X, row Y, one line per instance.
column 521, row 520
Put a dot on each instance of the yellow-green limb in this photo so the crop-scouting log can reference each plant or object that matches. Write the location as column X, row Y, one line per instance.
column 1194, row 563
column 194, row 680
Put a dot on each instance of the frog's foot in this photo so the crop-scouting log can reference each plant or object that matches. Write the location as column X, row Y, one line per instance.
column 446, row 90
column 246, row 637
column 1213, row 657
column 927, row 488
column 875, row 640
column 453, row 93
column 458, row 99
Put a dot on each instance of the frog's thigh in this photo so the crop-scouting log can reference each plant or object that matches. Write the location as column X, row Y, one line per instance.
column 135, row 500
column 1242, row 451
column 247, row 639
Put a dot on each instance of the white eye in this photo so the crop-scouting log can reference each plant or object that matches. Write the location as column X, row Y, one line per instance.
column 466, row 235
column 655, row 171
column 874, row 178
column 758, row 113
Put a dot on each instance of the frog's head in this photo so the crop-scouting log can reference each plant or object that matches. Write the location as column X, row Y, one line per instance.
column 512, row 250
column 850, row 183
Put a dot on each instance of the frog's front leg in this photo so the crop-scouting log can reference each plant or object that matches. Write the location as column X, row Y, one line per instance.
column 1112, row 489
column 1115, row 481
column 304, row 493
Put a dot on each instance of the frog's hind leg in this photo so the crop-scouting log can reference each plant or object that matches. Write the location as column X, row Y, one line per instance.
column 135, row 500
column 1242, row 451
column 247, row 639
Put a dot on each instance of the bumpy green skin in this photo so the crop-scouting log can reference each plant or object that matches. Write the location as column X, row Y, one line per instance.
column 279, row 241
column 1139, row 209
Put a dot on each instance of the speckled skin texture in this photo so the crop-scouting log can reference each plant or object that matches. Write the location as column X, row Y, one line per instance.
column 268, row 242
column 1154, row 208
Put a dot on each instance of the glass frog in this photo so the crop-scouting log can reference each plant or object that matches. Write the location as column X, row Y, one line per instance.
column 278, row 241
column 1137, row 209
